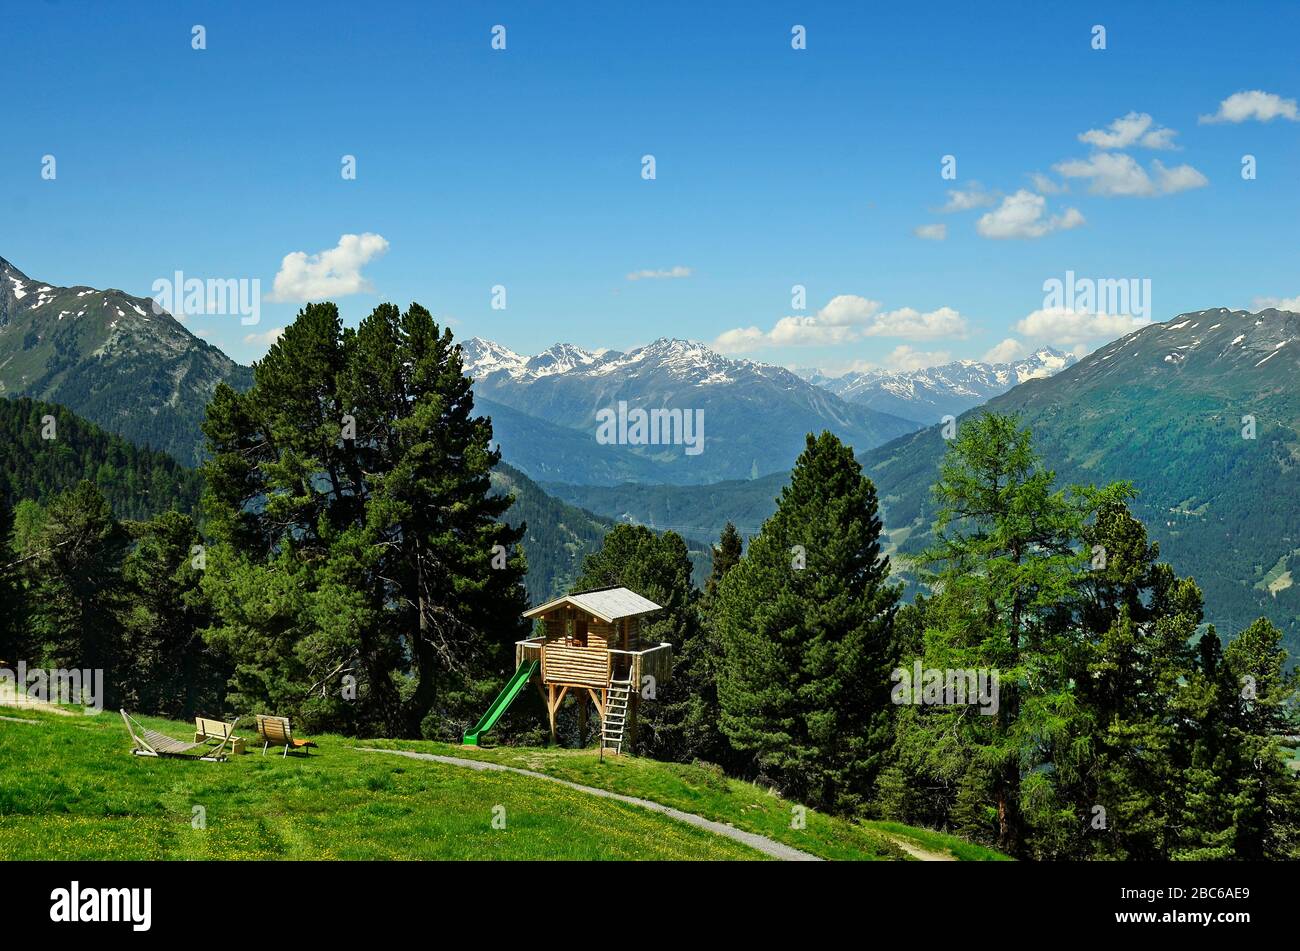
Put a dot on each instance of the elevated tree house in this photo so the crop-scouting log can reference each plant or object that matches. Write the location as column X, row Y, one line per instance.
column 591, row 648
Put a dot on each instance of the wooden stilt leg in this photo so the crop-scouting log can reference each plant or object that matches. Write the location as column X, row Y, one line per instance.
column 550, row 709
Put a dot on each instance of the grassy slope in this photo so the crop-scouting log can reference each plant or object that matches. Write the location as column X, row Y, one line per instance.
column 932, row 841
column 708, row 793
column 70, row 789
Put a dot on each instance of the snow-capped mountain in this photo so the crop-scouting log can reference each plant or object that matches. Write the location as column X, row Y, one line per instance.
column 755, row 415
column 108, row 356
column 929, row 394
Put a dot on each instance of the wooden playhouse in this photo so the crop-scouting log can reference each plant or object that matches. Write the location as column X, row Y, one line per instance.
column 591, row 648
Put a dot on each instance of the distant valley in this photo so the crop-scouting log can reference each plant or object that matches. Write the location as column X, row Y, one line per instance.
column 1166, row 407
column 1200, row 412
column 755, row 415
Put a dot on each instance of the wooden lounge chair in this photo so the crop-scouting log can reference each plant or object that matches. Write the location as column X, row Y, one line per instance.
column 277, row 730
column 205, row 731
column 152, row 743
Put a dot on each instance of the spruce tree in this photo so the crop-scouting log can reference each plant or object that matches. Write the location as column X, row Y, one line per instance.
column 805, row 620
column 360, row 574
column 75, row 584
column 657, row 567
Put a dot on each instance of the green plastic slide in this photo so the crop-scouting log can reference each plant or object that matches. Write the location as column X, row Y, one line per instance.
column 499, row 705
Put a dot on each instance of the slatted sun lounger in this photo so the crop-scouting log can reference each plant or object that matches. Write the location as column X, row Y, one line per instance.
column 277, row 730
column 152, row 743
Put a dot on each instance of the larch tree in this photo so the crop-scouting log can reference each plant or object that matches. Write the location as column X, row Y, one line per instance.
column 1003, row 561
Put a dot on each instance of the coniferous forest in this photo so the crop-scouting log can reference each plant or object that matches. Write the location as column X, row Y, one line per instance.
column 349, row 566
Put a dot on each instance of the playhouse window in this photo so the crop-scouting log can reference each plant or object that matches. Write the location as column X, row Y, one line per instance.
column 580, row 632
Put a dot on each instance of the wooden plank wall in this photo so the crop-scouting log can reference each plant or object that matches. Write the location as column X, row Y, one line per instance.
column 562, row 664
column 527, row 652
column 560, row 624
column 657, row 663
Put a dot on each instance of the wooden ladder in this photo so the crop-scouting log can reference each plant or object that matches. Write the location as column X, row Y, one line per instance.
column 613, row 724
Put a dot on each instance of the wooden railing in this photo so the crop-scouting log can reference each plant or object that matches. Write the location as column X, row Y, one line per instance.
column 655, row 661
column 530, row 649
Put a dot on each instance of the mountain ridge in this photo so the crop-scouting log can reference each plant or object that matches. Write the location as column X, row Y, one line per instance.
column 110, row 357
column 928, row 394
column 755, row 415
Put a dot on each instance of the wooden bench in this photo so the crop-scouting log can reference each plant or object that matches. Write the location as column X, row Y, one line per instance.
column 205, row 729
column 277, row 730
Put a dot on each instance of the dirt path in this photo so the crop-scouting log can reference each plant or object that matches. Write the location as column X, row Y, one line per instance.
column 914, row 850
column 760, row 843
column 9, row 698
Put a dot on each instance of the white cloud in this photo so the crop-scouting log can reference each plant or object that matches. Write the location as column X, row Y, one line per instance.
column 1008, row 350
column 845, row 319
column 1024, row 215
column 740, row 340
column 911, row 324
column 1181, row 178
column 1136, row 128
column 973, row 197
column 904, row 357
column 1115, row 175
column 931, row 232
column 1254, row 104
column 1278, row 303
column 661, row 274
column 332, row 273
column 266, row 338
column 1046, row 185
column 1072, row 328
column 846, row 309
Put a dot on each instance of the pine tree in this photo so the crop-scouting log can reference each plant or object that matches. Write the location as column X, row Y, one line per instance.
column 726, row 555
column 74, row 584
column 11, row 592
column 1136, row 687
column 1260, row 698
column 173, row 672
column 805, row 621
column 657, row 567
column 359, row 573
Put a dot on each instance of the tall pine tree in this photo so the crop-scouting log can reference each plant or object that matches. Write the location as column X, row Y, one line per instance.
column 805, row 621
column 359, row 573
column 657, row 567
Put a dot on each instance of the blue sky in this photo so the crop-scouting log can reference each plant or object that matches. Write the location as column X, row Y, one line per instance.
column 774, row 166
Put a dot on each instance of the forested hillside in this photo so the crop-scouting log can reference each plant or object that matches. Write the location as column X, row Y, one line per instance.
column 560, row 536
column 112, row 358
column 137, row 482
